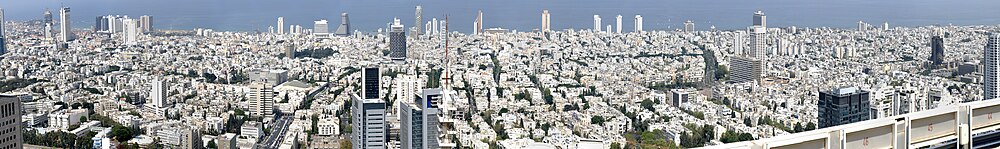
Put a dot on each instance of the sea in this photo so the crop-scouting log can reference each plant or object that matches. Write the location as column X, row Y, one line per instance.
column 519, row 15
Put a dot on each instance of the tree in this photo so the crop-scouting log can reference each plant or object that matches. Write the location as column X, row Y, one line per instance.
column 615, row 145
column 83, row 118
column 211, row 145
column 647, row 104
column 810, row 126
column 121, row 133
column 597, row 120
column 798, row 127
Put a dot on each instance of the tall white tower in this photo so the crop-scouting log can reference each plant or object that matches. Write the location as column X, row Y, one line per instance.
column 758, row 34
column 618, row 21
column 131, row 31
column 65, row 30
column 597, row 23
column 281, row 25
column 638, row 23
column 545, row 21
column 991, row 67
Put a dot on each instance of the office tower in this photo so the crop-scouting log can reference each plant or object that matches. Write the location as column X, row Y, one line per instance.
column 321, row 29
column 261, row 100
column 937, row 50
column 759, row 19
column 131, row 31
column 843, row 106
column 758, row 35
column 618, row 20
column 420, row 121
column 397, row 42
column 345, row 26
column 369, row 83
column 48, row 31
column 638, row 23
column 478, row 25
column 597, row 23
column 678, row 96
column 47, row 16
column 608, row 29
column 545, row 21
column 745, row 69
column 65, row 30
column 862, row 26
column 290, row 50
column 419, row 19
column 145, row 23
column 97, row 24
column 688, row 26
column 368, row 123
column 3, row 39
column 281, row 25
column 991, row 67
column 158, row 93
column 885, row 26
column 10, row 115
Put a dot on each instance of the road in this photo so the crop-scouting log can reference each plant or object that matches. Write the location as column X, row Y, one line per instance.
column 277, row 134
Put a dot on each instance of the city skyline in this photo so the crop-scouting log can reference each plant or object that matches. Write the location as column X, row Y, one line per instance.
column 553, row 75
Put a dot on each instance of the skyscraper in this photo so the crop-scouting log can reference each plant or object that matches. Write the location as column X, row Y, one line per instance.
column 321, row 29
column 688, row 26
column 545, row 21
column 98, row 26
column 397, row 41
column 10, row 115
column 158, row 93
column 131, row 31
column 145, row 23
column 419, row 19
column 3, row 39
column 937, row 50
column 597, row 23
column 618, row 20
column 370, row 83
column 478, row 25
column 420, row 121
column 281, row 25
column 261, row 100
column 758, row 41
column 843, row 106
column 345, row 26
column 638, row 23
column 991, row 67
column 47, row 16
column 65, row 29
column 368, row 113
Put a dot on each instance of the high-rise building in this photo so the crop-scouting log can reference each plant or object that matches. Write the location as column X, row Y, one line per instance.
column 937, row 50
column 688, row 26
column 862, row 26
column 638, row 23
column 759, row 19
column 3, row 39
column 158, row 93
column 47, row 16
column 10, row 115
column 321, row 29
column 420, row 121
column 478, row 25
column 370, row 83
column 145, row 23
column 345, row 27
column 618, row 20
column 843, row 106
column 597, row 23
column 545, row 21
column 261, row 100
column 397, row 41
column 745, row 69
column 98, row 27
column 758, row 42
column 290, row 50
column 419, row 19
column 66, row 28
column 369, row 123
column 281, row 25
column 131, row 31
column 991, row 67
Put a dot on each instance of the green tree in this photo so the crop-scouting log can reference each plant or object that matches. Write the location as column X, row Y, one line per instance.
column 647, row 104
column 597, row 120
column 211, row 145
